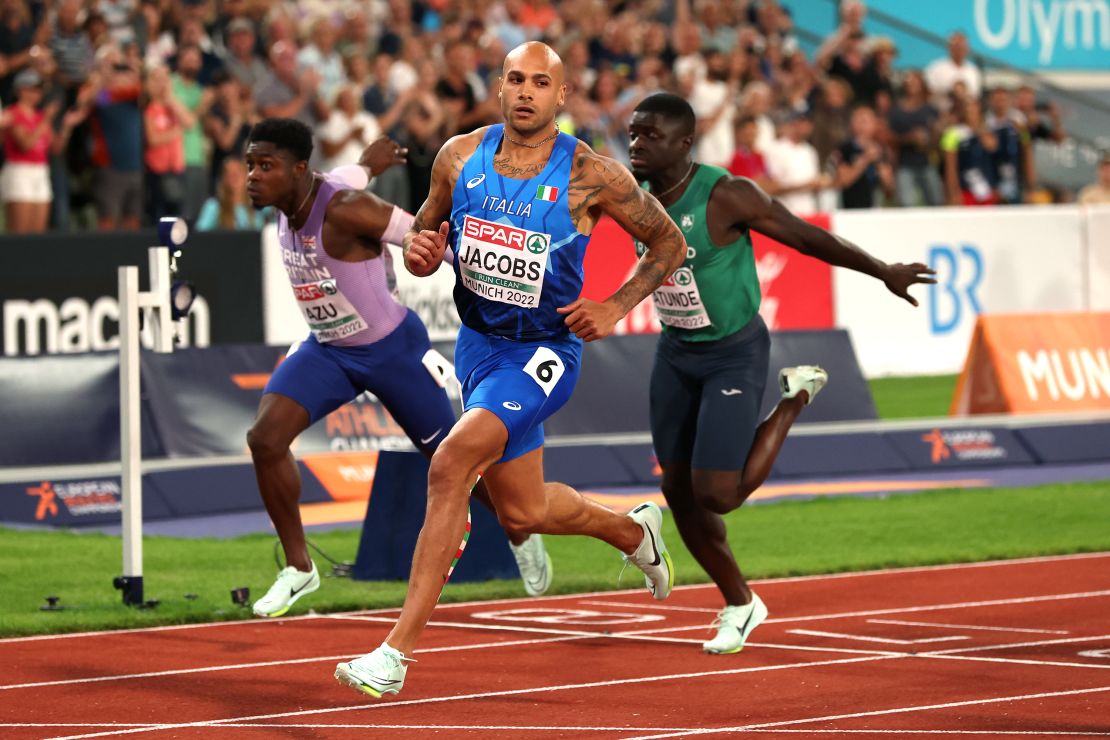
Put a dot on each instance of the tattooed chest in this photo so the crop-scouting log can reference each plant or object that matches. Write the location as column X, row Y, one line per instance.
column 507, row 168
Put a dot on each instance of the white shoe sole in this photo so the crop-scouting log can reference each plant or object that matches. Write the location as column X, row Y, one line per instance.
column 348, row 679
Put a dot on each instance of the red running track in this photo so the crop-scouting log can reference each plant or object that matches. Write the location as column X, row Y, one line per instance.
column 1016, row 648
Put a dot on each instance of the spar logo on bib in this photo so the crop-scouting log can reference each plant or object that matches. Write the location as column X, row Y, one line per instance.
column 501, row 262
column 537, row 244
column 683, row 276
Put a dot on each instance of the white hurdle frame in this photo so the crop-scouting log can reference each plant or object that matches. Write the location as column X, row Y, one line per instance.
column 156, row 302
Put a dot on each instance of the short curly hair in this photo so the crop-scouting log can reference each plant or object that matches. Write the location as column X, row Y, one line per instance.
column 285, row 133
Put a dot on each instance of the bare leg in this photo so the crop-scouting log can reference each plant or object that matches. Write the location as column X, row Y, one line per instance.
column 769, row 438
column 524, row 503
column 481, row 493
column 722, row 491
column 41, row 217
column 474, row 444
column 703, row 531
column 514, row 486
column 280, row 419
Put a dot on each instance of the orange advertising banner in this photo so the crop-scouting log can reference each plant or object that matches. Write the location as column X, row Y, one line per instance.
column 1036, row 363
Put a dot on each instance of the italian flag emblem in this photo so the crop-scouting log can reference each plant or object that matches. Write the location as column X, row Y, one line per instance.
column 545, row 192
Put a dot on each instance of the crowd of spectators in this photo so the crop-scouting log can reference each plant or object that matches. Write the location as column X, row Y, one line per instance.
column 117, row 112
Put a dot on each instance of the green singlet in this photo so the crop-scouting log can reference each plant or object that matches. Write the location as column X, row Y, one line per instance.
column 716, row 291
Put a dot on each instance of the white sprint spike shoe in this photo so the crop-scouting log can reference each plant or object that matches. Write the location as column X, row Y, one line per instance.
column 810, row 378
column 377, row 673
column 734, row 624
column 291, row 584
column 651, row 556
column 534, row 564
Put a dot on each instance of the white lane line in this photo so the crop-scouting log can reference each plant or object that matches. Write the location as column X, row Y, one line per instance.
column 991, row 733
column 1020, row 661
column 780, row 730
column 1032, row 643
column 78, row 724
column 867, row 638
column 564, row 635
column 541, row 599
column 272, row 663
column 531, row 628
column 875, row 713
column 940, row 625
column 485, row 695
column 506, row 728
column 823, row 649
column 662, row 607
column 940, row 607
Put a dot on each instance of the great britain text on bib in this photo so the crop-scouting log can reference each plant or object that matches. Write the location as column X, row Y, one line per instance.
column 502, row 263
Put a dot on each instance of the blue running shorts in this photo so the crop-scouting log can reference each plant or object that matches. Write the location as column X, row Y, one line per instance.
column 522, row 383
column 323, row 377
column 705, row 397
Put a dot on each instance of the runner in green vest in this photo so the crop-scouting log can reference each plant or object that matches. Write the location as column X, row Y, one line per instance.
column 712, row 359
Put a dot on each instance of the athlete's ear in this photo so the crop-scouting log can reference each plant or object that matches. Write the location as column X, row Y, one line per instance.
column 562, row 95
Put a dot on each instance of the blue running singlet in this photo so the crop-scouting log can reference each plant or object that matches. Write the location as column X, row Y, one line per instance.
column 518, row 257
column 518, row 254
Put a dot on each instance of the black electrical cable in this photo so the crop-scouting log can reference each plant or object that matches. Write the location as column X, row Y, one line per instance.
column 339, row 568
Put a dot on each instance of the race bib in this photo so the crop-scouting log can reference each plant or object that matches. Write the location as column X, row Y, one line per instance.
column 546, row 369
column 678, row 303
column 329, row 314
column 501, row 262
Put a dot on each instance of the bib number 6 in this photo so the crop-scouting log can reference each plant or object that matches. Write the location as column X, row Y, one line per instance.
column 546, row 369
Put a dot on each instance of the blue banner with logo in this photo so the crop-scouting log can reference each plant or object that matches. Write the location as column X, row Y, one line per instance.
column 1028, row 34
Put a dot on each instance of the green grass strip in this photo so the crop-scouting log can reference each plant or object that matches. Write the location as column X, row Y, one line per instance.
column 788, row 538
column 922, row 397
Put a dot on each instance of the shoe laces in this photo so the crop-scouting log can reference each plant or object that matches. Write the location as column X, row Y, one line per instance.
column 728, row 616
column 394, row 658
column 285, row 580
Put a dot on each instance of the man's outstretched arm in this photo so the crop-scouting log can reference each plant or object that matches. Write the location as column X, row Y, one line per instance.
column 611, row 187
column 746, row 203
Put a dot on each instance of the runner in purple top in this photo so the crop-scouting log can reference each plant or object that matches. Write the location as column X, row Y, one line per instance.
column 332, row 238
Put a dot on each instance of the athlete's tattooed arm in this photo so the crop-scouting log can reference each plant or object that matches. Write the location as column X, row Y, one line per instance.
column 426, row 241
column 747, row 203
column 599, row 184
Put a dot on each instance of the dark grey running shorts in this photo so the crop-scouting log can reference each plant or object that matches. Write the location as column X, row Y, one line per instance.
column 705, row 397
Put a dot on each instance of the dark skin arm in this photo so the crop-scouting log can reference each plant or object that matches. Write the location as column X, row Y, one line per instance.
column 355, row 220
column 599, row 185
column 354, row 224
column 739, row 202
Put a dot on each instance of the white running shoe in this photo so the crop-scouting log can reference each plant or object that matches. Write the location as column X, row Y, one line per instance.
column 377, row 673
column 534, row 564
column 810, row 378
column 291, row 584
column 734, row 624
column 651, row 556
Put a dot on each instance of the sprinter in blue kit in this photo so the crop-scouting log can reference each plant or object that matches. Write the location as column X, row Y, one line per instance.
column 521, row 200
column 333, row 242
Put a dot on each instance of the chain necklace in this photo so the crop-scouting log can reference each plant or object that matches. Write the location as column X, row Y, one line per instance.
column 672, row 188
column 306, row 197
column 538, row 144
